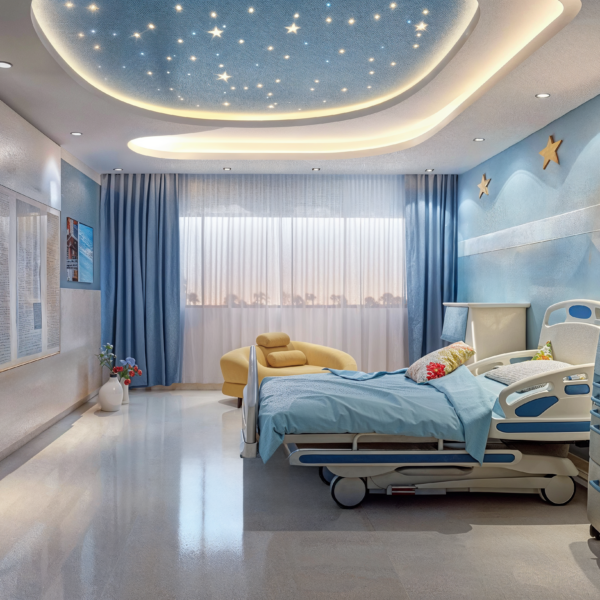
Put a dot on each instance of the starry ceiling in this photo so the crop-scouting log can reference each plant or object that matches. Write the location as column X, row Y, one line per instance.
column 255, row 60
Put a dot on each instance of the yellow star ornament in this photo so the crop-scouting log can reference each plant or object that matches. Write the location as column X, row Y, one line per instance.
column 549, row 152
column 483, row 186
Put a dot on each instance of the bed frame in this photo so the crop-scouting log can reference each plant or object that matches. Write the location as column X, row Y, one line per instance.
column 526, row 451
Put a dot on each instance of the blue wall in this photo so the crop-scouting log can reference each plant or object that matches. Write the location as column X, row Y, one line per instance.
column 522, row 193
column 80, row 201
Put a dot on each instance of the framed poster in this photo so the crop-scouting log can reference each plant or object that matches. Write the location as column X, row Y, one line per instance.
column 80, row 252
column 72, row 250
column 29, row 280
column 86, row 254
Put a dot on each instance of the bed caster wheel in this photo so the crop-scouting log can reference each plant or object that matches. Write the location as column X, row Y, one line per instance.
column 348, row 492
column 560, row 490
column 594, row 533
column 326, row 475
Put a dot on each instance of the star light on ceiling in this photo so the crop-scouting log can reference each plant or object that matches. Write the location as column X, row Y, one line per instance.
column 216, row 32
column 483, row 186
column 550, row 152
column 313, row 56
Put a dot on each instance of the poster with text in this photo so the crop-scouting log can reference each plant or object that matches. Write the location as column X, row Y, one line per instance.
column 72, row 250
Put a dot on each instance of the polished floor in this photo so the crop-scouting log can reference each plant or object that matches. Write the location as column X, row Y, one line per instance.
column 154, row 503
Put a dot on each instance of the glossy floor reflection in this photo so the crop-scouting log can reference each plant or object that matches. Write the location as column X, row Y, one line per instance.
column 154, row 503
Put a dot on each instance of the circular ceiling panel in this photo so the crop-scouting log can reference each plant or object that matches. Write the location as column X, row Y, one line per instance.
column 265, row 60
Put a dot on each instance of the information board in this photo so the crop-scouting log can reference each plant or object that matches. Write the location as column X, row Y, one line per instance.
column 29, row 280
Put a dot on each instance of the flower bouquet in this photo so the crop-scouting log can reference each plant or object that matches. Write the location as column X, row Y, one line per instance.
column 126, row 372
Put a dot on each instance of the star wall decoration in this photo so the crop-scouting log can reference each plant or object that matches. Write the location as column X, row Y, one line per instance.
column 483, row 186
column 216, row 32
column 550, row 151
column 421, row 26
column 293, row 28
column 224, row 77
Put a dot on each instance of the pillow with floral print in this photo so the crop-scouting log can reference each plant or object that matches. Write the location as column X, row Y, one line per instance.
column 439, row 363
column 545, row 352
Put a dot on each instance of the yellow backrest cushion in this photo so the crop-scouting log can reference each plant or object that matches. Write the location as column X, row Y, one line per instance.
column 273, row 339
column 289, row 358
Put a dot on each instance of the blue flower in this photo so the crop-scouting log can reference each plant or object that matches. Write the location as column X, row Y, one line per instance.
column 128, row 361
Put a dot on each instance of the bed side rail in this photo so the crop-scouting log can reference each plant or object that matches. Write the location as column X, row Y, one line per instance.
column 561, row 397
column 249, row 445
column 487, row 364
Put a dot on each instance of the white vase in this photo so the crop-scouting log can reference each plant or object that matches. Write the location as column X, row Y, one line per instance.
column 125, row 392
column 111, row 394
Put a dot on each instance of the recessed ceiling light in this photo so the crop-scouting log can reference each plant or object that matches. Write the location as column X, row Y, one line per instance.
column 76, row 133
column 479, row 139
column 429, row 170
column 117, row 169
column 316, row 168
column 5, row 65
column 544, row 95
column 226, row 168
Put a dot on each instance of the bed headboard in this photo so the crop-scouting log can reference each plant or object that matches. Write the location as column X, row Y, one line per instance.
column 576, row 340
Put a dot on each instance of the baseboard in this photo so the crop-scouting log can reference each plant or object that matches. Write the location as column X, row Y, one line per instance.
column 183, row 386
column 27, row 438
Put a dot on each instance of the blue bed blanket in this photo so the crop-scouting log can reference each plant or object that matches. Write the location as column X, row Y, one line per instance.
column 455, row 407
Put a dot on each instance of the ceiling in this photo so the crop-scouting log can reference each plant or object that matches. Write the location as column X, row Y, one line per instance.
column 265, row 62
column 503, row 111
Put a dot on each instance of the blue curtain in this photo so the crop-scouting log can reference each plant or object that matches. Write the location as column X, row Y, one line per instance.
column 140, row 274
column 431, row 257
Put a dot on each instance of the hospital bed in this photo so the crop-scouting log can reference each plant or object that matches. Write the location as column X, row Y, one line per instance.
column 527, row 443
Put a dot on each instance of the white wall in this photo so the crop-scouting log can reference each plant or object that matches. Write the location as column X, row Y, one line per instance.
column 29, row 161
column 36, row 395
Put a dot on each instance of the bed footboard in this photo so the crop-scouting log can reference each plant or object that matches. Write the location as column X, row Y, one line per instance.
column 249, row 444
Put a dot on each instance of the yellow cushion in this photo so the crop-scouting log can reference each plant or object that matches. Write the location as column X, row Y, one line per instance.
column 273, row 339
column 291, row 358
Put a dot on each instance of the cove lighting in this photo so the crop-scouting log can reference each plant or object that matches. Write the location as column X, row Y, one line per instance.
column 429, row 170
column 316, row 168
column 544, row 95
column 479, row 139
column 76, row 133
column 5, row 65
column 226, row 168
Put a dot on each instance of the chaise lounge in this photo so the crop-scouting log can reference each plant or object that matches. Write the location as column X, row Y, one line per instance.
column 234, row 364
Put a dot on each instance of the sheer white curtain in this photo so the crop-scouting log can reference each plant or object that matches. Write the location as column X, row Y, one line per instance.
column 321, row 258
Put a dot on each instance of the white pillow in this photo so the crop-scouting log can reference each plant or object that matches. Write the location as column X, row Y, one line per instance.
column 509, row 374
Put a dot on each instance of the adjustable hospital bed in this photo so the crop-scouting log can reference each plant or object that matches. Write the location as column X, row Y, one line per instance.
column 524, row 445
